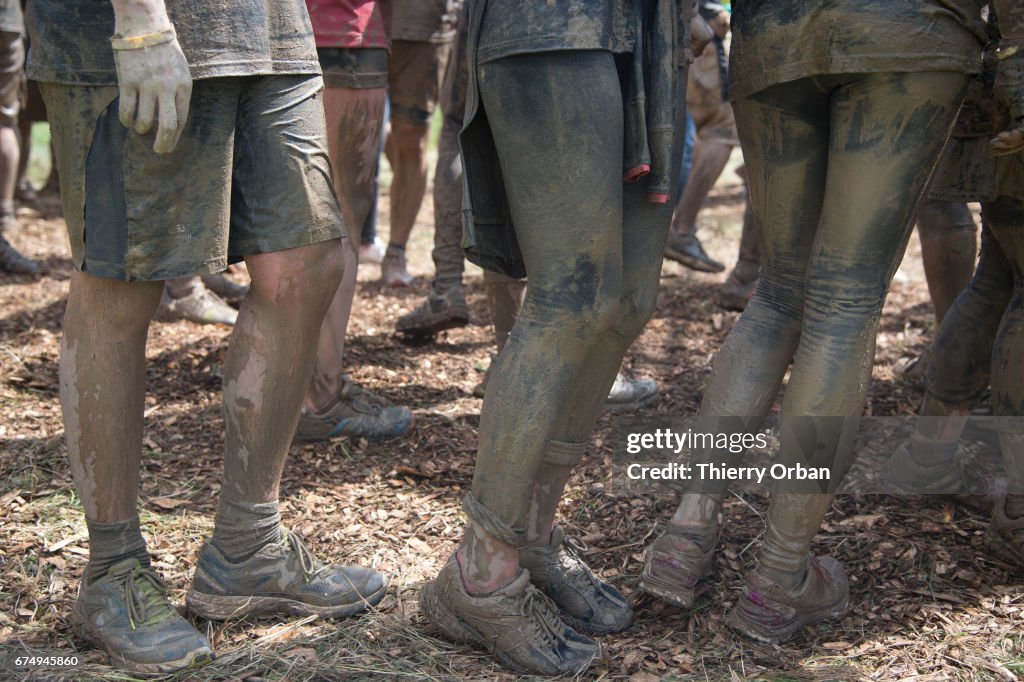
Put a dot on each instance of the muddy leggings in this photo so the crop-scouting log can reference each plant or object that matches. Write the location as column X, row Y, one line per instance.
column 592, row 248
column 835, row 167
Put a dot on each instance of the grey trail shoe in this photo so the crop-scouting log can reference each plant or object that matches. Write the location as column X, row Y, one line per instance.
column 356, row 413
column 585, row 601
column 439, row 312
column 229, row 291
column 631, row 394
column 517, row 624
column 13, row 262
column 770, row 614
column 674, row 565
column 280, row 579
column 202, row 306
column 126, row 614
column 392, row 268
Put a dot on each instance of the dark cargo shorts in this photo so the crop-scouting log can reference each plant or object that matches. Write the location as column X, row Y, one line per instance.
column 249, row 175
column 414, row 76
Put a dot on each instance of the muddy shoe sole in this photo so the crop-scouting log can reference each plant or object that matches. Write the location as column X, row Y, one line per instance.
column 672, row 594
column 758, row 633
column 219, row 607
column 87, row 632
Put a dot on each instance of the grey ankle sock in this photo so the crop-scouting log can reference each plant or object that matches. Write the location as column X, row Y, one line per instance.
column 240, row 529
column 933, row 454
column 111, row 543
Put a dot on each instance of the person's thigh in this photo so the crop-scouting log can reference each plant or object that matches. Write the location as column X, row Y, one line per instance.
column 133, row 214
column 282, row 191
column 415, row 72
column 557, row 124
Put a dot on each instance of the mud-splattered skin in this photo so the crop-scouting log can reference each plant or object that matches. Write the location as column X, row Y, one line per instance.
column 839, row 143
column 949, row 247
column 591, row 246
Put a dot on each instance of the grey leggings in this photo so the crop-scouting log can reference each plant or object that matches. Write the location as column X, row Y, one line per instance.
column 592, row 248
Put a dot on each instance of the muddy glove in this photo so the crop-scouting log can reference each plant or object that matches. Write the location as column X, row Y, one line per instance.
column 152, row 74
column 1009, row 90
column 700, row 35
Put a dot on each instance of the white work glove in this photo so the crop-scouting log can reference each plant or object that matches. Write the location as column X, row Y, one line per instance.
column 152, row 73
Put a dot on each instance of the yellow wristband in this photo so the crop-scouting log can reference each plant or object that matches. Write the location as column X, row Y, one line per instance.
column 139, row 42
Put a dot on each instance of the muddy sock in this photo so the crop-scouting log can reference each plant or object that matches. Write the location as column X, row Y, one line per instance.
column 929, row 453
column 242, row 528
column 110, row 543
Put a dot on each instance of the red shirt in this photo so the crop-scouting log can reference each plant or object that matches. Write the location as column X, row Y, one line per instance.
column 348, row 23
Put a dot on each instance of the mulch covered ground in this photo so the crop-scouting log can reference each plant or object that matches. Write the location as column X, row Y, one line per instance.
column 926, row 603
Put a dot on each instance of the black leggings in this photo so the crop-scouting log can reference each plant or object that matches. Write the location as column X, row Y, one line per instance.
column 592, row 248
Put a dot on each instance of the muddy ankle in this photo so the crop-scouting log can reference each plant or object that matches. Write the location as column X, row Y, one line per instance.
column 477, row 587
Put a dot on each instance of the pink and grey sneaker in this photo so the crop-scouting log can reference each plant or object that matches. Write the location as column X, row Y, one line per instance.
column 770, row 614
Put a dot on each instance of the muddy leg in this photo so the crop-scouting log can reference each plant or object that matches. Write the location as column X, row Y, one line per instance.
column 948, row 248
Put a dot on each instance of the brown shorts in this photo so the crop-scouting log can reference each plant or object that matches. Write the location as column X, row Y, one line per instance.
column 12, row 77
column 414, row 77
column 249, row 175
column 712, row 115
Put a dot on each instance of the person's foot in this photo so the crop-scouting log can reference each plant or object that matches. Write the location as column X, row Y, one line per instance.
column 126, row 613
column 959, row 477
column 686, row 249
column 439, row 312
column 516, row 623
column 11, row 261
column 201, row 306
column 356, row 413
column 372, row 252
column 25, row 193
column 229, row 291
column 631, row 394
column 674, row 565
column 392, row 268
column 913, row 367
column 735, row 294
column 770, row 614
column 585, row 601
column 280, row 579
column 1005, row 536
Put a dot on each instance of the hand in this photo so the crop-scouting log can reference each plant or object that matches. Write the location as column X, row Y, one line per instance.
column 155, row 84
column 700, row 35
column 1009, row 90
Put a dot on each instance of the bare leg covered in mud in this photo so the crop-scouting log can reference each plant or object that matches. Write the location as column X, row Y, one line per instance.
column 829, row 255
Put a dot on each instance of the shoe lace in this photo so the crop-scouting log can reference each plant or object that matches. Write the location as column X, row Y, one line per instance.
column 538, row 609
column 144, row 594
column 310, row 565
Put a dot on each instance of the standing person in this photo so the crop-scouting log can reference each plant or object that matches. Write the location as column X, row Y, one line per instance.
column 546, row 148
column 707, row 101
column 842, row 110
column 12, row 89
column 193, row 137
column 352, row 46
column 422, row 32
column 979, row 341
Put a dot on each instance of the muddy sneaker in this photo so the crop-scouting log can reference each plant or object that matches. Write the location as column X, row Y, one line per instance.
column 517, row 624
column 585, row 601
column 438, row 313
column 392, row 268
column 229, row 291
column 688, row 251
column 356, row 413
column 674, row 565
column 735, row 294
column 280, row 579
column 631, row 394
column 961, row 478
column 769, row 614
column 11, row 261
column 1005, row 536
column 126, row 614
column 202, row 306
column 25, row 193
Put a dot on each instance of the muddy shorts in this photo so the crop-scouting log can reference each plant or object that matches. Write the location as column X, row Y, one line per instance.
column 249, row 175
column 414, row 76
column 12, row 77
column 356, row 68
column 711, row 112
